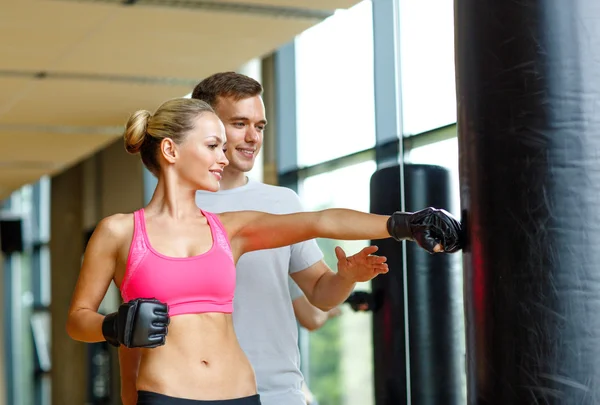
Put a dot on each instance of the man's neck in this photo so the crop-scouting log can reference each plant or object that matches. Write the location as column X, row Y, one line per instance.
column 232, row 179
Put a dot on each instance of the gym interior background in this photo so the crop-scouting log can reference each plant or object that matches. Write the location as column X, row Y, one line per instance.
column 350, row 86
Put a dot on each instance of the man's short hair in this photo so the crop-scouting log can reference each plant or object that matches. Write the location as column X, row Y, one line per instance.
column 226, row 84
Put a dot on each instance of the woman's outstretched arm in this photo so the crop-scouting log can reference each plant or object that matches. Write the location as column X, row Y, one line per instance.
column 432, row 229
column 253, row 230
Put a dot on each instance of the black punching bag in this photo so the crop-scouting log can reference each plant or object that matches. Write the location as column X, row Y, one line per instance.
column 433, row 300
column 528, row 87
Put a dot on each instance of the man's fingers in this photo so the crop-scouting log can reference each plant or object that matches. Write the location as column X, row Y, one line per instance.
column 381, row 268
column 377, row 259
column 340, row 254
column 369, row 250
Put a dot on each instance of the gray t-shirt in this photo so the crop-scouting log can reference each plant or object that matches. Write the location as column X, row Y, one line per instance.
column 263, row 316
column 295, row 291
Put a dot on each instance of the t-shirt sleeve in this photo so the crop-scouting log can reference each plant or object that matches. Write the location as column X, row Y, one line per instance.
column 295, row 291
column 303, row 254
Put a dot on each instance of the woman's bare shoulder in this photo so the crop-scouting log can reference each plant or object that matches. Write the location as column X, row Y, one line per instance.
column 115, row 226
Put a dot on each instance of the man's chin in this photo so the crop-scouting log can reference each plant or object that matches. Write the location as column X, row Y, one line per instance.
column 242, row 167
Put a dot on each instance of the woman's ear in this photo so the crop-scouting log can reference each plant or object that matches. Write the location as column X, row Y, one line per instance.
column 169, row 150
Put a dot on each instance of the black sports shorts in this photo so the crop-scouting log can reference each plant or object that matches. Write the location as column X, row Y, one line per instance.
column 152, row 398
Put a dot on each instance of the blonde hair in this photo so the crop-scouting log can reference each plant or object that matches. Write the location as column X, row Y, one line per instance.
column 173, row 119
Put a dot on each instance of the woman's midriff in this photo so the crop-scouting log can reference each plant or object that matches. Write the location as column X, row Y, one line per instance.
column 200, row 360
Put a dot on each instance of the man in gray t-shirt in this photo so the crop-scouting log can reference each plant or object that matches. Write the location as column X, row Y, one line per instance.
column 263, row 315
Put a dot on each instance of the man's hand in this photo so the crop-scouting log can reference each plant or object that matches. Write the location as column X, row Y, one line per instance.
column 362, row 266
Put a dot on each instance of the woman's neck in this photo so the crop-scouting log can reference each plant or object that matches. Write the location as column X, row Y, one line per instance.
column 172, row 199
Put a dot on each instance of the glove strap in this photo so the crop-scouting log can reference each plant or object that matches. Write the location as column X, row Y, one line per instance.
column 109, row 329
column 398, row 226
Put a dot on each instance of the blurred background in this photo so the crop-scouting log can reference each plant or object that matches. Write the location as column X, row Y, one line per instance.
column 350, row 87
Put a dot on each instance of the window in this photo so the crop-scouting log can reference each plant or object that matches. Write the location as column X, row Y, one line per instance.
column 427, row 64
column 445, row 154
column 341, row 359
column 334, row 86
column 26, row 298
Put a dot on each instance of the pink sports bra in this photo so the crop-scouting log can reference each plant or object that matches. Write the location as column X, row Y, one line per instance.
column 188, row 285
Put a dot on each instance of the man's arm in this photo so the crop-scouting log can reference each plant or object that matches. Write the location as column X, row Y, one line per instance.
column 323, row 288
column 311, row 317
column 307, row 315
column 129, row 362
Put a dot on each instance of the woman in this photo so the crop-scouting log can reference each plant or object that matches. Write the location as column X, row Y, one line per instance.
column 175, row 264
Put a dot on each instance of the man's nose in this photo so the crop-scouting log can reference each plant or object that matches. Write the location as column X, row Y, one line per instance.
column 252, row 135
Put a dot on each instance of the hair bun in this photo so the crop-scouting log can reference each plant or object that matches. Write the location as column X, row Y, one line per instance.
column 135, row 131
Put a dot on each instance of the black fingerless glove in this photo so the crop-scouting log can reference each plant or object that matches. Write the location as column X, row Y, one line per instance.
column 428, row 228
column 361, row 301
column 137, row 323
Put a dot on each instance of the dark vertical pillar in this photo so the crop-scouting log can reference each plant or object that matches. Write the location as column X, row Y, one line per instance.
column 69, row 358
column 528, row 87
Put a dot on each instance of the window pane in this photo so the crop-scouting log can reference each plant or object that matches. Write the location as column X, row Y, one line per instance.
column 427, row 64
column 334, row 79
column 445, row 154
column 341, row 359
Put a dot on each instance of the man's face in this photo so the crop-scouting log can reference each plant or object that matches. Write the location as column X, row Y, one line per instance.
column 244, row 122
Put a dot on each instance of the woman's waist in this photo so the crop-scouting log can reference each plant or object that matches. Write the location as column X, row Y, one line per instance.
column 201, row 359
column 197, row 341
column 222, row 359
column 192, row 336
column 191, row 348
column 202, row 369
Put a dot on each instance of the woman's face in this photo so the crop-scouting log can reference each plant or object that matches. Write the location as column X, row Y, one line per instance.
column 201, row 157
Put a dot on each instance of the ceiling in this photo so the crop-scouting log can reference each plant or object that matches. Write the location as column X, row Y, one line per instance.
column 72, row 71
